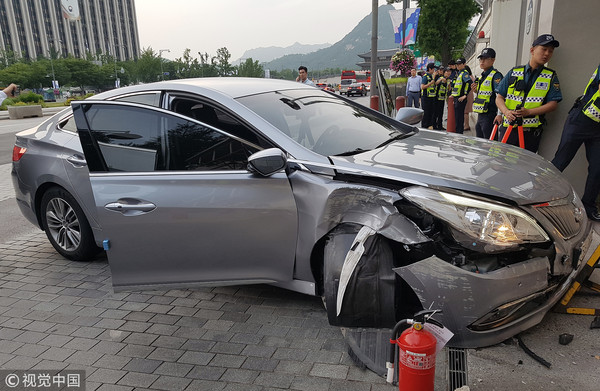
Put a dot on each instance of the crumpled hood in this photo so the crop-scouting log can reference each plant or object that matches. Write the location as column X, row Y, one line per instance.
column 439, row 159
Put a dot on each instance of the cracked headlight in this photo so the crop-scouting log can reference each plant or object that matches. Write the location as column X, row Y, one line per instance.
column 478, row 223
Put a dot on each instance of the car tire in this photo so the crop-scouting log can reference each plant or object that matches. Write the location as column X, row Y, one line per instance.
column 370, row 297
column 66, row 226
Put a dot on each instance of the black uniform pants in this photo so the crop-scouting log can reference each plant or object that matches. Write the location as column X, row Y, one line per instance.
column 459, row 114
column 438, row 114
column 579, row 129
column 428, row 109
column 531, row 137
column 485, row 124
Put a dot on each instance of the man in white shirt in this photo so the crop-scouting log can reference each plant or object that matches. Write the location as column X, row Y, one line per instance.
column 303, row 76
column 413, row 89
column 8, row 92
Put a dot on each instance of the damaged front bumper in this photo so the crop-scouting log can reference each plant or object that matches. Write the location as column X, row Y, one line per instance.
column 487, row 308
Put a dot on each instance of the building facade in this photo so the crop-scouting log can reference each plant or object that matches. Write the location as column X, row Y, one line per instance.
column 384, row 57
column 35, row 28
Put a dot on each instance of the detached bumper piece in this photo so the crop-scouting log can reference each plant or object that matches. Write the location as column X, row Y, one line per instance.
column 583, row 279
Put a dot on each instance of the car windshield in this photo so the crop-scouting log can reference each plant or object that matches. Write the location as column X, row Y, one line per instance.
column 323, row 122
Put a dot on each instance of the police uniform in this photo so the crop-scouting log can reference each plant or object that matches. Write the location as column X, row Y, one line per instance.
column 460, row 88
column 442, row 92
column 428, row 98
column 485, row 102
column 583, row 127
column 529, row 88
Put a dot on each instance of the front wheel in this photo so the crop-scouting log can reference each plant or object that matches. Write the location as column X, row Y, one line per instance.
column 66, row 226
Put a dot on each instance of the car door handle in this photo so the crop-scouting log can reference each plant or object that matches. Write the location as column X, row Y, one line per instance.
column 131, row 207
column 77, row 160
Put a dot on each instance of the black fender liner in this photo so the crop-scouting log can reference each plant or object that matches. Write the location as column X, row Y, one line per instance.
column 370, row 295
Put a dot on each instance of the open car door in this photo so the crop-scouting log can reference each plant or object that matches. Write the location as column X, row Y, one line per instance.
column 176, row 203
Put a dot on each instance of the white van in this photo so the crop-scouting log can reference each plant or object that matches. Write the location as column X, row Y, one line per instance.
column 344, row 84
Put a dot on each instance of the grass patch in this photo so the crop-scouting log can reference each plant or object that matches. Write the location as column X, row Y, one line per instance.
column 397, row 80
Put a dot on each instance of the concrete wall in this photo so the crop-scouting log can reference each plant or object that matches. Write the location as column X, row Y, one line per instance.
column 514, row 24
column 575, row 25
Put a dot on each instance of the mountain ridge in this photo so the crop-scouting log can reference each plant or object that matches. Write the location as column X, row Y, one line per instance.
column 344, row 53
column 269, row 53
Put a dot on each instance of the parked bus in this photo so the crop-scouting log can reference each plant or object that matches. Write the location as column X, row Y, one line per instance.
column 348, row 75
column 362, row 76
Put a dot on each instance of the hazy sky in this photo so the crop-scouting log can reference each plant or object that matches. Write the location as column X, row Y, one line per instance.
column 238, row 25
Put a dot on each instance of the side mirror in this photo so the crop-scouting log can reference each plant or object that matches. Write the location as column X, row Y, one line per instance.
column 267, row 162
column 409, row 115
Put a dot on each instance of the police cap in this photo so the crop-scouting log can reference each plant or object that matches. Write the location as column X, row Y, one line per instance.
column 430, row 66
column 487, row 53
column 461, row 61
column 451, row 62
column 545, row 40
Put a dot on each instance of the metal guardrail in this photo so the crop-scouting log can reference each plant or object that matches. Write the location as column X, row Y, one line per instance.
column 469, row 49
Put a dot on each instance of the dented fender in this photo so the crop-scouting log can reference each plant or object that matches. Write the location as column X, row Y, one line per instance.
column 324, row 203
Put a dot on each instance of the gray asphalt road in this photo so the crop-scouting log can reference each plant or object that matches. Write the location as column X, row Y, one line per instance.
column 12, row 223
column 8, row 129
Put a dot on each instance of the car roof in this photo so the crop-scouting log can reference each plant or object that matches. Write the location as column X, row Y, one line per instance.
column 234, row 87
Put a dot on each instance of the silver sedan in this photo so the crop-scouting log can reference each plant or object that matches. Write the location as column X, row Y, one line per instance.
column 240, row 181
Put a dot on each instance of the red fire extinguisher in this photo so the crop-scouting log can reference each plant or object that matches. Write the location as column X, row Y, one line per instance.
column 416, row 353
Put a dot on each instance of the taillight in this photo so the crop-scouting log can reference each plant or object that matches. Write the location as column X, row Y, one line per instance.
column 18, row 153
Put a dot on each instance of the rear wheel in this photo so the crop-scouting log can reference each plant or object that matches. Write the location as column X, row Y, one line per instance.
column 66, row 226
column 369, row 300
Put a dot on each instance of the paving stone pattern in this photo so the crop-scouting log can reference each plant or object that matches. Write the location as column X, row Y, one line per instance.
column 59, row 314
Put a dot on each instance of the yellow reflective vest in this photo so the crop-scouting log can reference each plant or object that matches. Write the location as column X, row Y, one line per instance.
column 459, row 83
column 592, row 107
column 535, row 97
column 431, row 89
column 484, row 94
column 441, row 91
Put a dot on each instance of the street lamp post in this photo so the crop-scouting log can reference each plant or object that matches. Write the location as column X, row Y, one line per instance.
column 115, row 60
column 117, row 81
column 162, row 73
column 55, row 85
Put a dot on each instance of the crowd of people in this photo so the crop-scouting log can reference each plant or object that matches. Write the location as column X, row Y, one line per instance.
column 519, row 99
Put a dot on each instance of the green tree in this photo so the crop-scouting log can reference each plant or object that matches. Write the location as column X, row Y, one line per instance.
column 208, row 67
column 147, row 67
column 83, row 73
column 224, row 68
column 187, row 66
column 443, row 26
column 250, row 68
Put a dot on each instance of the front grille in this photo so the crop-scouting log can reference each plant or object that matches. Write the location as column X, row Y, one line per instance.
column 566, row 218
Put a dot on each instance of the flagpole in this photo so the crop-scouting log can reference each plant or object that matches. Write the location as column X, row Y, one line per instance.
column 374, row 20
column 404, row 7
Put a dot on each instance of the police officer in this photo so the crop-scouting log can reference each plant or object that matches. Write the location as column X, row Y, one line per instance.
column 428, row 88
column 583, row 127
column 485, row 98
column 460, row 90
column 452, row 67
column 442, row 84
column 528, row 92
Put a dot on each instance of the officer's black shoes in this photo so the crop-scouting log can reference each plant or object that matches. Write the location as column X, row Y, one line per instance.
column 594, row 216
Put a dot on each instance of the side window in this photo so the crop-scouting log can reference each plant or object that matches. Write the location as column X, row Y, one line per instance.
column 129, row 138
column 142, row 140
column 69, row 125
column 149, row 99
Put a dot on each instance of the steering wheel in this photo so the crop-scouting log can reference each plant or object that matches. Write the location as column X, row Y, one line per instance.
column 325, row 138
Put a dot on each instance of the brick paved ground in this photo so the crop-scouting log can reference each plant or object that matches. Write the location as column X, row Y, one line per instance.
column 58, row 314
